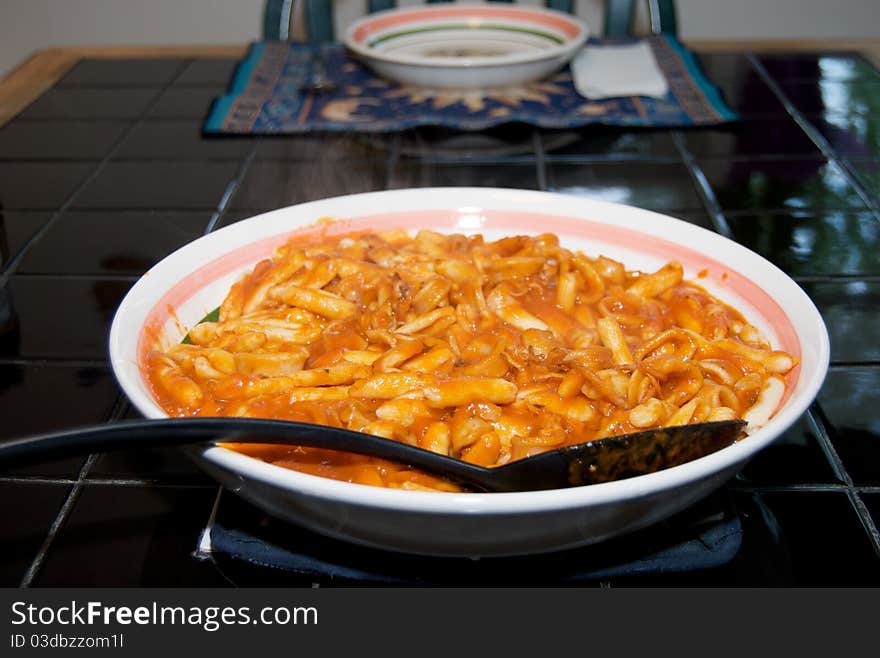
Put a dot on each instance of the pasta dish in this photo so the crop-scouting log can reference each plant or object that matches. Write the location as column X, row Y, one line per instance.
column 486, row 351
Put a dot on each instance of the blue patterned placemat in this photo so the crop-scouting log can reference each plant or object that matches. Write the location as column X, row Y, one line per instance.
column 265, row 98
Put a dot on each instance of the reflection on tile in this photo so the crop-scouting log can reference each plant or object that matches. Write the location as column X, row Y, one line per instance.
column 810, row 244
column 275, row 184
column 652, row 186
column 59, row 140
column 207, row 72
column 851, row 311
column 868, row 174
column 153, row 185
column 854, row 135
column 771, row 184
column 184, row 103
column 16, row 228
column 131, row 242
column 179, row 140
column 324, row 148
column 412, row 173
column 27, row 510
column 770, row 136
column 834, row 96
column 131, row 536
column 60, row 317
column 507, row 141
column 815, row 66
column 154, row 72
column 850, row 399
column 90, row 103
column 76, row 395
column 794, row 458
column 610, row 143
column 39, row 185
column 805, row 538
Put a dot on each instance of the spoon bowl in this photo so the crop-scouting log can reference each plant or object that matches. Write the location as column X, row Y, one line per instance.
column 600, row 460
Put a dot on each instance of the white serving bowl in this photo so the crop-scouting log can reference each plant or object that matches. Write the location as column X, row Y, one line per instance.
column 466, row 45
column 182, row 288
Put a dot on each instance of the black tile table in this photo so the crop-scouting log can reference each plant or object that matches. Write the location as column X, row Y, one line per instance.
column 107, row 172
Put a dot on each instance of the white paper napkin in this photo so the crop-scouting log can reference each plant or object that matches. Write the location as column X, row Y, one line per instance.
column 609, row 71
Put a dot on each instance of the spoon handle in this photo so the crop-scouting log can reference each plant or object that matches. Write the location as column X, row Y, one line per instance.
column 128, row 435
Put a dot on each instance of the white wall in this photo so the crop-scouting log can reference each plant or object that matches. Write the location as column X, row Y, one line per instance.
column 29, row 25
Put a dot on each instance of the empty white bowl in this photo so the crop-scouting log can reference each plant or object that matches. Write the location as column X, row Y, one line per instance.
column 466, row 46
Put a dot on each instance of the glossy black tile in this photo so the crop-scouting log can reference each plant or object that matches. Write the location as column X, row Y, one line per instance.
column 40, row 185
column 803, row 538
column 415, row 173
column 232, row 216
column 131, row 536
column 610, row 143
column 698, row 217
column 796, row 457
column 751, row 137
column 851, row 310
column 90, row 104
column 774, row 184
column 60, row 317
column 850, row 399
column 28, row 510
column 324, row 147
column 179, row 140
column 39, row 398
column 817, row 66
column 59, row 140
column 506, row 142
column 868, row 174
column 812, row 243
column 725, row 66
column 131, row 242
column 184, row 103
column 165, row 465
column 155, row 72
column 215, row 73
column 750, row 96
column 158, row 185
column 653, row 186
column 16, row 228
column 280, row 183
column 834, row 96
column 853, row 135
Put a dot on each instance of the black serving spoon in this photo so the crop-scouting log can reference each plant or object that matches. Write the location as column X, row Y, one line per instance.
column 602, row 460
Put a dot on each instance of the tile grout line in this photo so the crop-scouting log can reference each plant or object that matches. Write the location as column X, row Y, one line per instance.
column 232, row 188
column 119, row 406
column 15, row 261
column 540, row 160
column 704, row 190
column 66, row 508
column 818, row 139
column 821, row 424
column 392, row 161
